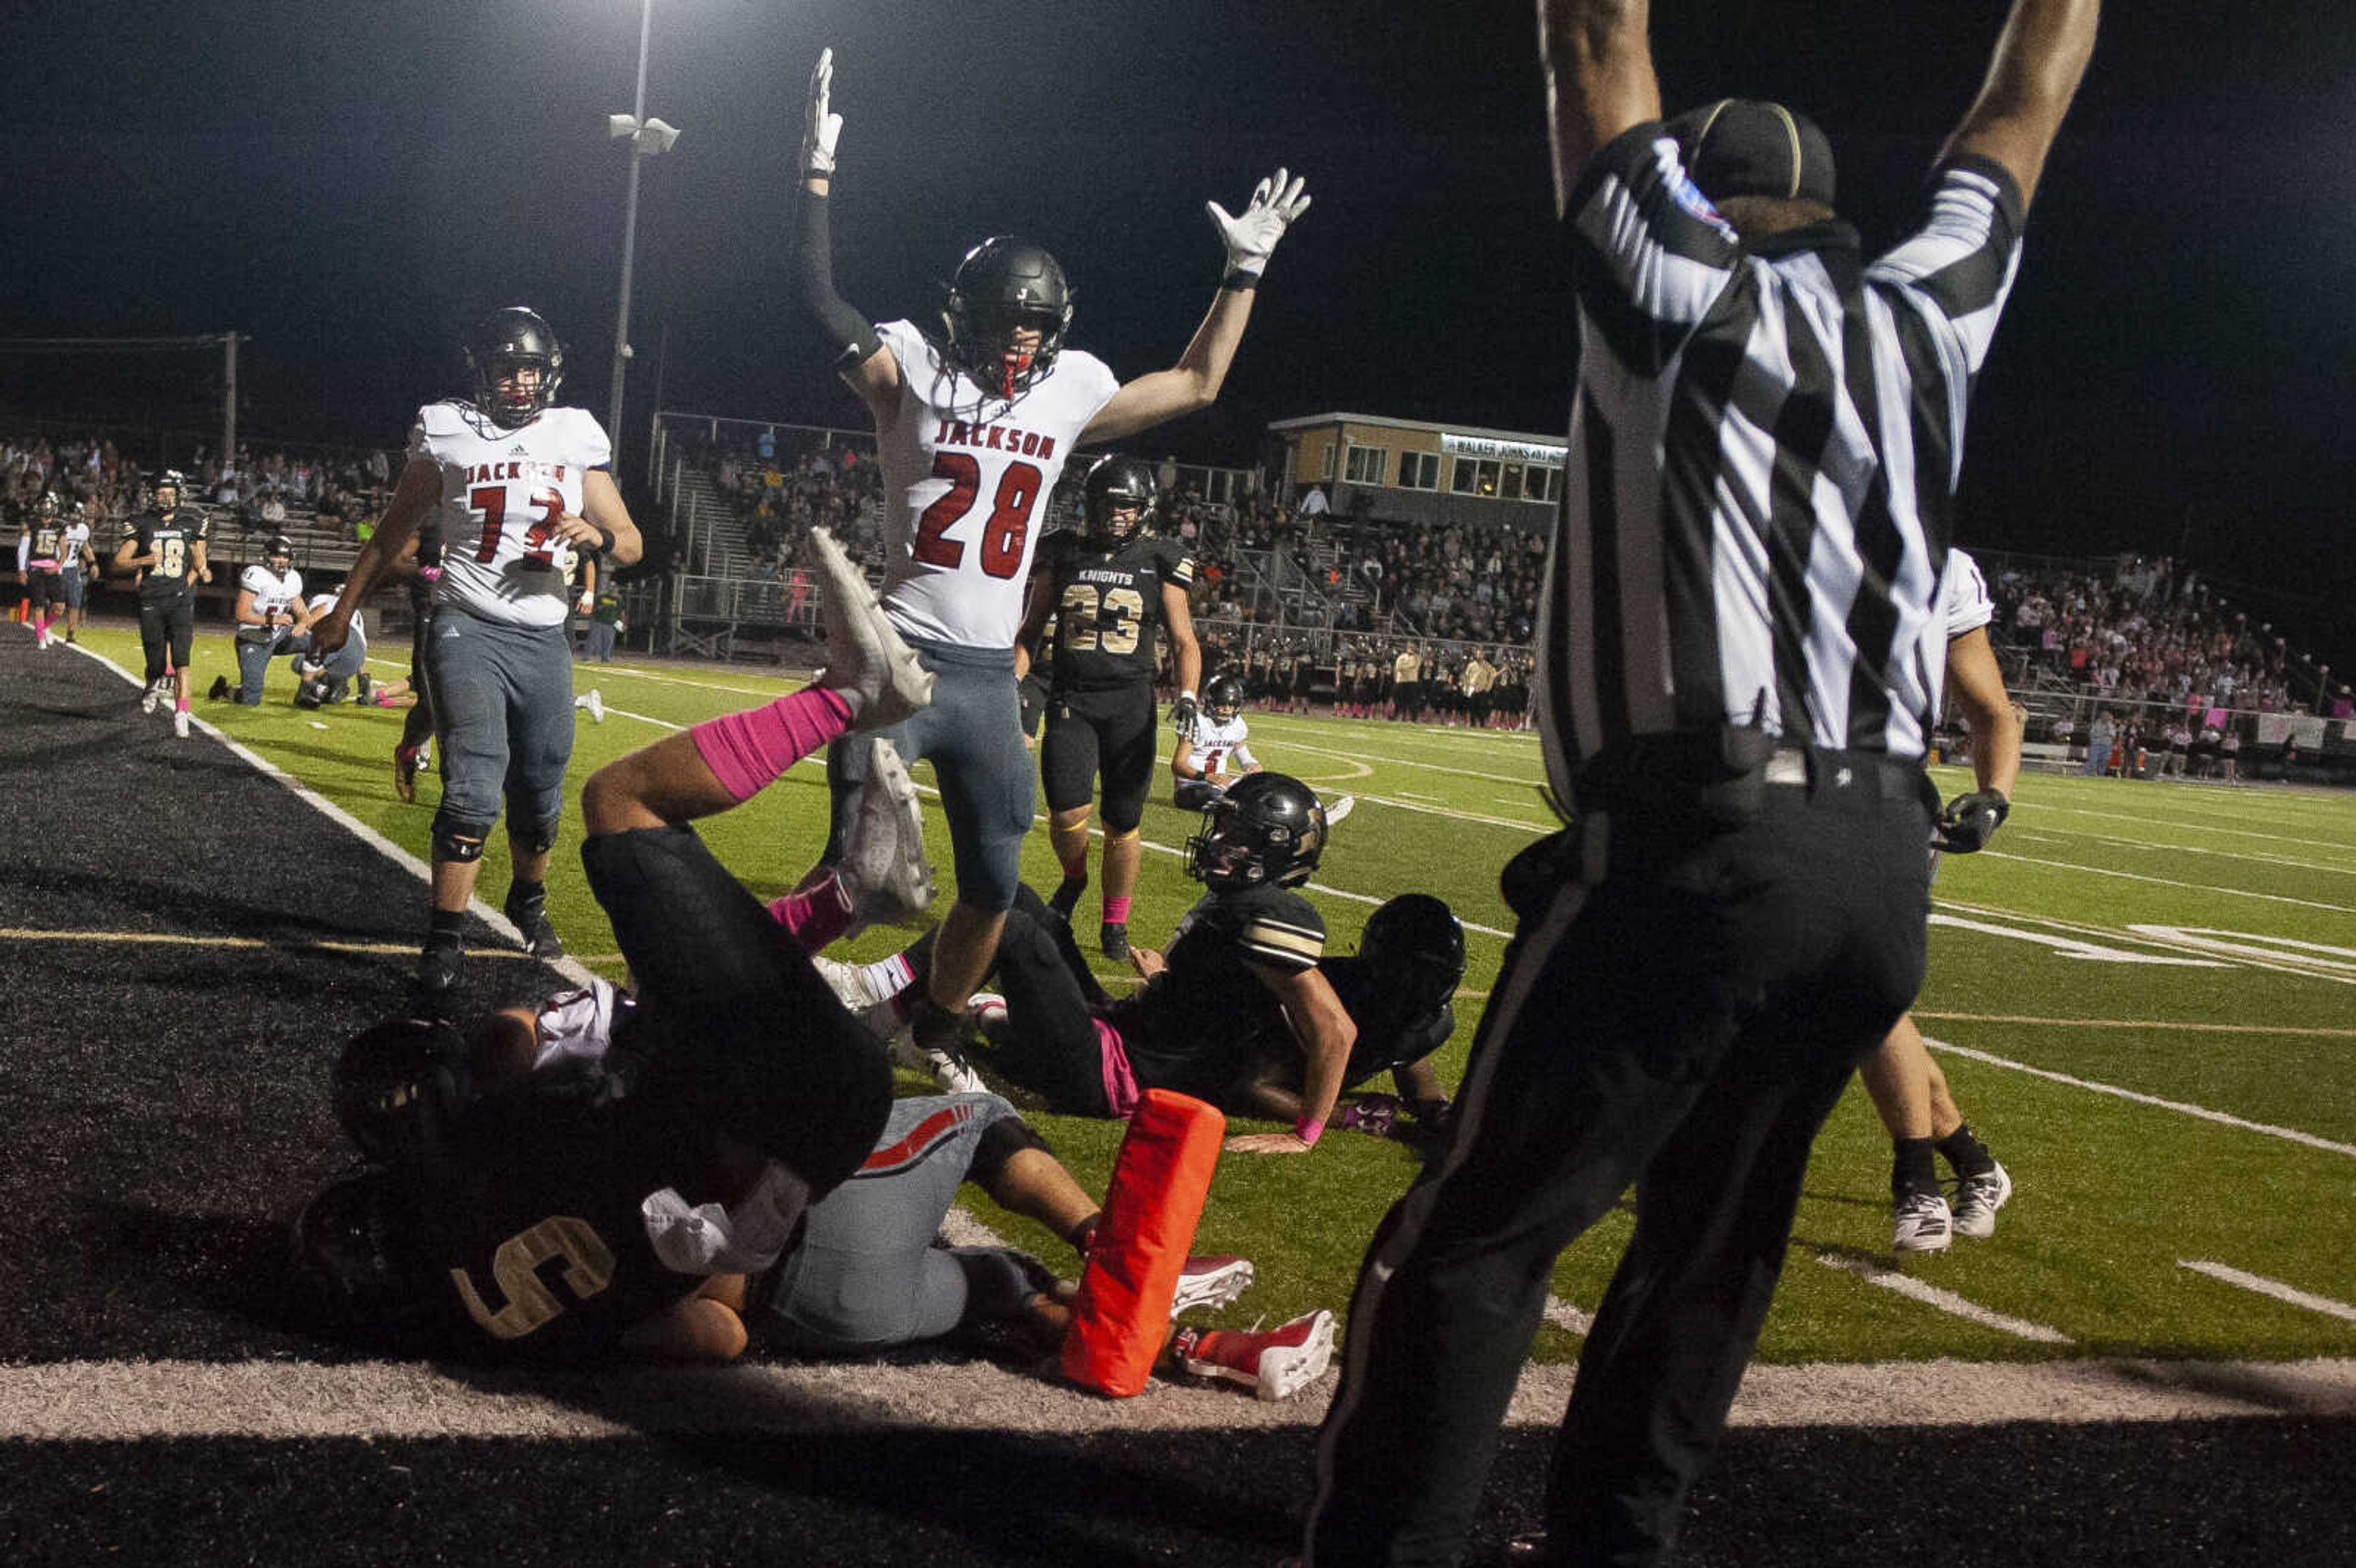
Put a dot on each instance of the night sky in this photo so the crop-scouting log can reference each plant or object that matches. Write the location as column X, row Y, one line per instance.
column 349, row 184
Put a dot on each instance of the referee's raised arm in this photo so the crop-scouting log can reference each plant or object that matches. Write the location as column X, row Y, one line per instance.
column 1599, row 69
column 2039, row 58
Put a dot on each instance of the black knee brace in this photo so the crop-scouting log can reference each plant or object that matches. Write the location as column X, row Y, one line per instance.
column 459, row 842
column 538, row 839
column 1000, row 1142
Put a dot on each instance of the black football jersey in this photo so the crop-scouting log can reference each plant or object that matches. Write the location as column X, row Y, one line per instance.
column 531, row 1237
column 1108, row 605
column 48, row 541
column 173, row 536
column 1198, row 1025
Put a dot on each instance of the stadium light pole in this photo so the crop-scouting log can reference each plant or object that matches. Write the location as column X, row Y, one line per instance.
column 647, row 137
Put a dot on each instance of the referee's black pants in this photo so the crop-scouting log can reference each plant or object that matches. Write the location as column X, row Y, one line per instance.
column 1679, row 1010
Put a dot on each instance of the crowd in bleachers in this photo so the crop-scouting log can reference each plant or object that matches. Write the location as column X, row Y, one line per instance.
column 335, row 489
column 2145, row 633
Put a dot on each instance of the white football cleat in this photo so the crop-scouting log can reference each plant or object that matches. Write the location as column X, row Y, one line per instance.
column 180, row 722
column 866, row 659
column 594, row 701
column 883, row 871
column 1977, row 1198
column 1920, row 1224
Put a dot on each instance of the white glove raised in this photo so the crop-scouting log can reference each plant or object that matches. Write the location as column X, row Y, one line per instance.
column 1275, row 201
column 822, row 128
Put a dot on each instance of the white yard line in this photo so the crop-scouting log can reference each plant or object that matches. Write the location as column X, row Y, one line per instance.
column 2289, row 1135
column 1945, row 1300
column 2332, row 843
column 277, row 1399
column 2137, row 1024
column 2209, row 888
column 2274, row 1287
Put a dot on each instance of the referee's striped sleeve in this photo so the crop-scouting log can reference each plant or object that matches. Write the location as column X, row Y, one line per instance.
column 1958, row 267
column 1275, row 944
column 1649, row 253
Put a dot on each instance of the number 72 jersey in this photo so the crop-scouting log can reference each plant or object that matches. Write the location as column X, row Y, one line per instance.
column 502, row 492
column 967, row 478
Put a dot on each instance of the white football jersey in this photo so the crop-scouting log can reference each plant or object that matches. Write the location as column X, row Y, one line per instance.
column 272, row 593
column 327, row 602
column 76, row 537
column 967, row 478
column 1215, row 744
column 1964, row 596
column 503, row 490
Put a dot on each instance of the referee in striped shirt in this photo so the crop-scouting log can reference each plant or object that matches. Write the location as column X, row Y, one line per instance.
column 1740, row 635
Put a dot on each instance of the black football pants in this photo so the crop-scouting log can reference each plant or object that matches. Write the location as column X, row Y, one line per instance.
column 1681, row 1013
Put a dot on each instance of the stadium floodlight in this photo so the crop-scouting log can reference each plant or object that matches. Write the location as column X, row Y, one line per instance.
column 647, row 138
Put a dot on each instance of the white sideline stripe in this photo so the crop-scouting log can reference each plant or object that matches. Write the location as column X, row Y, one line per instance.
column 121, row 1401
column 2273, row 1287
column 2291, row 1135
column 2161, row 882
column 567, row 967
column 1563, row 1314
column 1945, row 1300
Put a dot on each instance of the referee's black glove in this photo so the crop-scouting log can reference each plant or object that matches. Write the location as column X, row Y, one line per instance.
column 1971, row 820
column 1183, row 709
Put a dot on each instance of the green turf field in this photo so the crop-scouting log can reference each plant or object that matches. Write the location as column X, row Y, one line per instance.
column 2144, row 996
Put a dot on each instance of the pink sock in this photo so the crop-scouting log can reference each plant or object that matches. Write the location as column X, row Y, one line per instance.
column 1076, row 869
column 180, row 704
column 815, row 916
column 746, row 751
column 1116, row 912
column 41, row 625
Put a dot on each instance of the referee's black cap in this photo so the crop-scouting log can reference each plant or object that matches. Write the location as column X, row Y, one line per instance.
column 1743, row 146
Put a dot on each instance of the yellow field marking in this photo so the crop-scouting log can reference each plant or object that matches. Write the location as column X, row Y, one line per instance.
column 2138, row 1023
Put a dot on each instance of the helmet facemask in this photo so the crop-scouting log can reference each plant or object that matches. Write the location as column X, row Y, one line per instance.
column 1117, row 485
column 503, row 344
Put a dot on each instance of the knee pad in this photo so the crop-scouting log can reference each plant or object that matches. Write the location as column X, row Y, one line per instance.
column 1000, row 1142
column 538, row 838
column 456, row 841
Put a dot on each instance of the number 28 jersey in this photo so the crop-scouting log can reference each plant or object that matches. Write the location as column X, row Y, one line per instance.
column 503, row 490
column 967, row 477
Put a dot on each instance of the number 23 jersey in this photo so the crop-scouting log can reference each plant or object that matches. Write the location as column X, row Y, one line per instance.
column 967, row 478
column 502, row 492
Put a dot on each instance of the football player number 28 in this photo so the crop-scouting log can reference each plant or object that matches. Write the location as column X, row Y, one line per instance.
column 491, row 501
column 1002, row 536
column 515, row 1268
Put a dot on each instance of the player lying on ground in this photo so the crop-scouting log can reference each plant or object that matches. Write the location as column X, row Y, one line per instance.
column 1241, row 984
column 740, row 1093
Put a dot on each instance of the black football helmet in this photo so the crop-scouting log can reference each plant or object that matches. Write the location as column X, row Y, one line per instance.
column 173, row 480
column 1413, row 948
column 1224, row 696
column 515, row 335
column 1113, row 484
column 398, row 1084
column 1267, row 827
column 49, row 506
column 279, row 544
column 1002, row 284
column 349, row 1266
